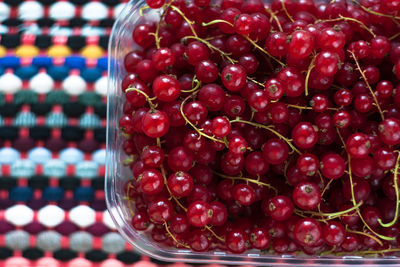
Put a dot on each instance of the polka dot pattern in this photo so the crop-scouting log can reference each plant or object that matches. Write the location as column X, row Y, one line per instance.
column 62, row 11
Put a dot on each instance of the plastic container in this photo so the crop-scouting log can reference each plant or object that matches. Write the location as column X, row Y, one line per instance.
column 117, row 174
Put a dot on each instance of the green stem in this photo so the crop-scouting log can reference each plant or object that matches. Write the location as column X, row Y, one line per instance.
column 248, row 180
column 189, row 22
column 264, row 51
column 367, row 83
column 193, row 126
column 269, row 129
column 396, row 189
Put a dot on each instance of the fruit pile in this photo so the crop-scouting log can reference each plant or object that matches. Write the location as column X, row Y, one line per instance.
column 267, row 126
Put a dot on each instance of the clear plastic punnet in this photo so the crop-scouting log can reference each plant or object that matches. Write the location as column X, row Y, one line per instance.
column 117, row 174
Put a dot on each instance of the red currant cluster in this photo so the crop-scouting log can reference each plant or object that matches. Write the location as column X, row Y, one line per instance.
column 266, row 126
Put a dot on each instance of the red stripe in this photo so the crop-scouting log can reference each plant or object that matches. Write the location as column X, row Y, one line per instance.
column 65, row 242
column 6, row 170
column 39, row 169
column 24, row 132
column 70, row 170
column 92, row 40
column 32, row 240
column 97, row 243
column 60, row 40
column 25, row 61
column 78, row 11
column 53, row 182
column 22, row 182
column 46, row 11
column 86, row 183
column 37, row 193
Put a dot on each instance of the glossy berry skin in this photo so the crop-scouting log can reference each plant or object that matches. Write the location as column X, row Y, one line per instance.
column 331, row 40
column 180, row 184
column 140, row 221
column 358, row 145
column 361, row 189
column 179, row 224
column 274, row 89
column 199, row 213
column 243, row 194
column 137, row 99
column 152, row 156
column 166, row 88
column 255, row 164
column 228, row 15
column 307, row 164
column 155, row 3
column 306, row 195
column 304, row 135
column 237, row 144
column 292, row 81
column 243, row 24
column 199, row 241
column 126, row 124
column 213, row 96
column 196, row 52
column 180, row 159
column 332, row 166
column 275, row 151
column 333, row 233
column 389, row 131
column 141, row 35
column 277, row 44
column 326, row 63
column 307, row 232
column 220, row 213
column 258, row 100
column 236, row 240
column 151, row 182
column 155, row 123
column 233, row 77
column 160, row 210
column 385, row 158
column 279, row 208
column 350, row 243
column 221, row 126
column 163, row 58
column 206, row 71
column 301, row 44
column 259, row 238
column 195, row 111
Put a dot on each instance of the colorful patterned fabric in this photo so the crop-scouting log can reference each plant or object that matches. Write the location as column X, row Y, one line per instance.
column 53, row 86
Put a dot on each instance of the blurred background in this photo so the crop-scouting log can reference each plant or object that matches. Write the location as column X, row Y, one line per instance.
column 53, row 85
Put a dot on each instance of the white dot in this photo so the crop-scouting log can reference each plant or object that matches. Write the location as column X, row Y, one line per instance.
column 108, row 221
column 101, row 86
column 4, row 11
column 10, row 83
column 82, row 216
column 8, row 155
column 118, row 9
column 39, row 155
column 30, row 10
column 94, row 11
column 62, row 11
column 74, row 85
column 41, row 83
column 51, row 216
column 19, row 215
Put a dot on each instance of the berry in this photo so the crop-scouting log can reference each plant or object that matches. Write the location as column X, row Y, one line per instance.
column 280, row 208
column 306, row 195
column 155, row 123
column 307, row 232
column 199, row 213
